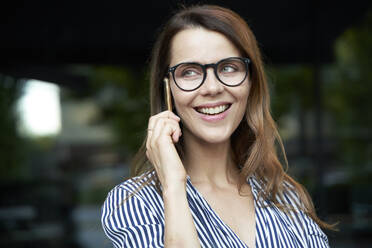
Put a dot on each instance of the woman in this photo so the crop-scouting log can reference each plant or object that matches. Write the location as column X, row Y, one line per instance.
column 208, row 174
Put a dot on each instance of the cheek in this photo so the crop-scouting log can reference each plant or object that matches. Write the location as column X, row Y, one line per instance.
column 177, row 108
column 242, row 98
column 181, row 101
column 242, row 95
column 175, row 99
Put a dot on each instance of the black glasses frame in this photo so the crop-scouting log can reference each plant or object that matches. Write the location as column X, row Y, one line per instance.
column 204, row 67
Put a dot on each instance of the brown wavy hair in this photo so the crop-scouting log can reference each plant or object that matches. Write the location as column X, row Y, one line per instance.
column 256, row 140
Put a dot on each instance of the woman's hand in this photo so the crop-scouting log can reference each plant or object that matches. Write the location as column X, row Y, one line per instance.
column 163, row 132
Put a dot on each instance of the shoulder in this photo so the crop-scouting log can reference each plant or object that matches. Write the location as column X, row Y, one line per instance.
column 132, row 191
column 291, row 214
column 288, row 195
column 131, row 212
column 301, row 218
column 138, row 186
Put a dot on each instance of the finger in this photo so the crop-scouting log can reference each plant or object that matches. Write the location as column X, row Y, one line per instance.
column 148, row 138
column 152, row 121
column 157, row 122
column 173, row 116
column 164, row 128
column 169, row 114
column 172, row 129
column 176, row 135
column 158, row 126
column 150, row 129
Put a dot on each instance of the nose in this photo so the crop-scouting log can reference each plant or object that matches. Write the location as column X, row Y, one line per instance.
column 211, row 85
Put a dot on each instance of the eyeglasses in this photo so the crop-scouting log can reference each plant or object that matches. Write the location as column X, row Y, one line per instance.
column 190, row 76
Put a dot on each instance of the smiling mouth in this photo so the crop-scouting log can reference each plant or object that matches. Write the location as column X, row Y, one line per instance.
column 213, row 110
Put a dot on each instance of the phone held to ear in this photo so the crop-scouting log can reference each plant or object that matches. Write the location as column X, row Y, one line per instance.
column 167, row 94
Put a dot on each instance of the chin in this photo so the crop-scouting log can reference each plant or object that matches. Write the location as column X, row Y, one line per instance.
column 214, row 136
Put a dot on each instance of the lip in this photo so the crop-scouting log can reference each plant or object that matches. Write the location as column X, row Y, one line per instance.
column 213, row 118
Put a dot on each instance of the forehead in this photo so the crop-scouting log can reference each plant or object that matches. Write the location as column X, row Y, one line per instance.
column 200, row 45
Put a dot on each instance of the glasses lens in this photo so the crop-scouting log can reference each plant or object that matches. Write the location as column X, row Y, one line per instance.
column 188, row 76
column 232, row 71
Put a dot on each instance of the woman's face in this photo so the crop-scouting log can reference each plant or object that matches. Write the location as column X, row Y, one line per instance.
column 195, row 107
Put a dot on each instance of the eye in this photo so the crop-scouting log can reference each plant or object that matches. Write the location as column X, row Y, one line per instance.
column 189, row 73
column 231, row 66
column 228, row 68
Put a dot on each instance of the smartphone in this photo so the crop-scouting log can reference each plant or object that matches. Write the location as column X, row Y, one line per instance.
column 167, row 94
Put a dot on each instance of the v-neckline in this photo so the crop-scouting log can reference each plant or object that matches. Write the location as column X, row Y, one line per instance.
column 200, row 195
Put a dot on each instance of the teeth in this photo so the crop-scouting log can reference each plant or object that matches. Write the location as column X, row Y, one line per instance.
column 213, row 111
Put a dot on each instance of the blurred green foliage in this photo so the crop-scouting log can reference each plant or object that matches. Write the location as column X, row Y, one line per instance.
column 348, row 99
column 93, row 195
column 346, row 103
column 292, row 103
column 122, row 97
column 292, row 87
column 11, row 144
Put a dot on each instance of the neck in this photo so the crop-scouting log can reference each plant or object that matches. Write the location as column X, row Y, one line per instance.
column 208, row 163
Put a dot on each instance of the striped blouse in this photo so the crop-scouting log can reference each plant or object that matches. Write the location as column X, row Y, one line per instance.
column 139, row 221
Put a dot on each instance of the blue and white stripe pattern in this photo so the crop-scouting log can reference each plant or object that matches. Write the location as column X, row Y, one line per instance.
column 139, row 221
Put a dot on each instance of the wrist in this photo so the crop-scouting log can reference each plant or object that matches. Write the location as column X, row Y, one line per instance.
column 174, row 189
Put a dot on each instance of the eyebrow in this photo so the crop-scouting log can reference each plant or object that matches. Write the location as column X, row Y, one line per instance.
column 197, row 62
